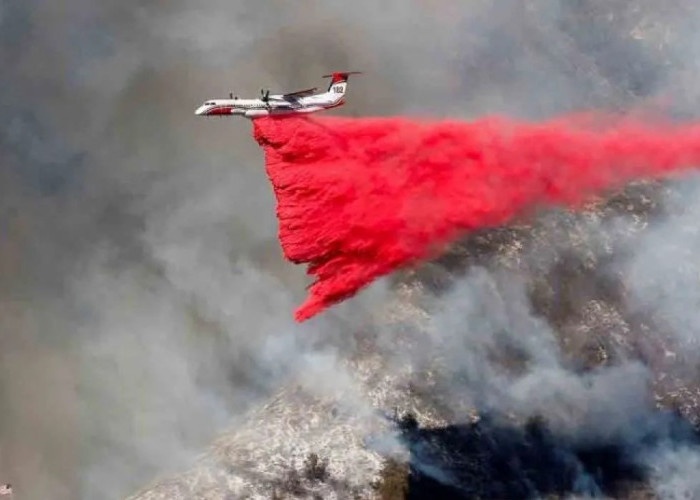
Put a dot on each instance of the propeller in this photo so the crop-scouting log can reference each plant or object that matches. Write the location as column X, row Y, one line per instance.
column 265, row 97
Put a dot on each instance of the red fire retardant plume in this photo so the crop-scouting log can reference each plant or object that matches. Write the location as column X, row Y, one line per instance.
column 360, row 198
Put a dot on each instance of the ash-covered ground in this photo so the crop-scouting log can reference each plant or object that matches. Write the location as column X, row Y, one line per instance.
column 148, row 346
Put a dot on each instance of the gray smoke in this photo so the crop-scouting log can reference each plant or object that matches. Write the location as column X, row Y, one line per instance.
column 145, row 303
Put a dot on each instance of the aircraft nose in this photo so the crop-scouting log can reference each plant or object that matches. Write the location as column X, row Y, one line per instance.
column 200, row 110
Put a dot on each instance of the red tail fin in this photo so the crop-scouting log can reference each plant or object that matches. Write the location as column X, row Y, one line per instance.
column 340, row 77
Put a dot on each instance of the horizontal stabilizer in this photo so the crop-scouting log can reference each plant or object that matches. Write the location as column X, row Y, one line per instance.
column 342, row 74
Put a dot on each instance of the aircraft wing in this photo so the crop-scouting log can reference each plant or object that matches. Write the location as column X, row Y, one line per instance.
column 299, row 93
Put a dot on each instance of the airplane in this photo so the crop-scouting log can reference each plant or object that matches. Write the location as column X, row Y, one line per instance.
column 303, row 101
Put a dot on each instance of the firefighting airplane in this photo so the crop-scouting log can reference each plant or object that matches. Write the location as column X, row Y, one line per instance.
column 303, row 101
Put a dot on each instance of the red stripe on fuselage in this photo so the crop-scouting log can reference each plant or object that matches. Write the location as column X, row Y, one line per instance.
column 220, row 110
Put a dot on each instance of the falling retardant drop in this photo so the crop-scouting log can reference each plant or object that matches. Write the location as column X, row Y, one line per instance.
column 358, row 198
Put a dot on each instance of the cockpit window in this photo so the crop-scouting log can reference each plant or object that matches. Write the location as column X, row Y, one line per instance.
column 210, row 103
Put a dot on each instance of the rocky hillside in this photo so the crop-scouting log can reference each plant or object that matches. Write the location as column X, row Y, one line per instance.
column 470, row 386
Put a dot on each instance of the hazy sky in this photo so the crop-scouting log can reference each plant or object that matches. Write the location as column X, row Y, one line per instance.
column 144, row 302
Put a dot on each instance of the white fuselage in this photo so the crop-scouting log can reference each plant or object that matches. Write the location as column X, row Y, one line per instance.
column 275, row 104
